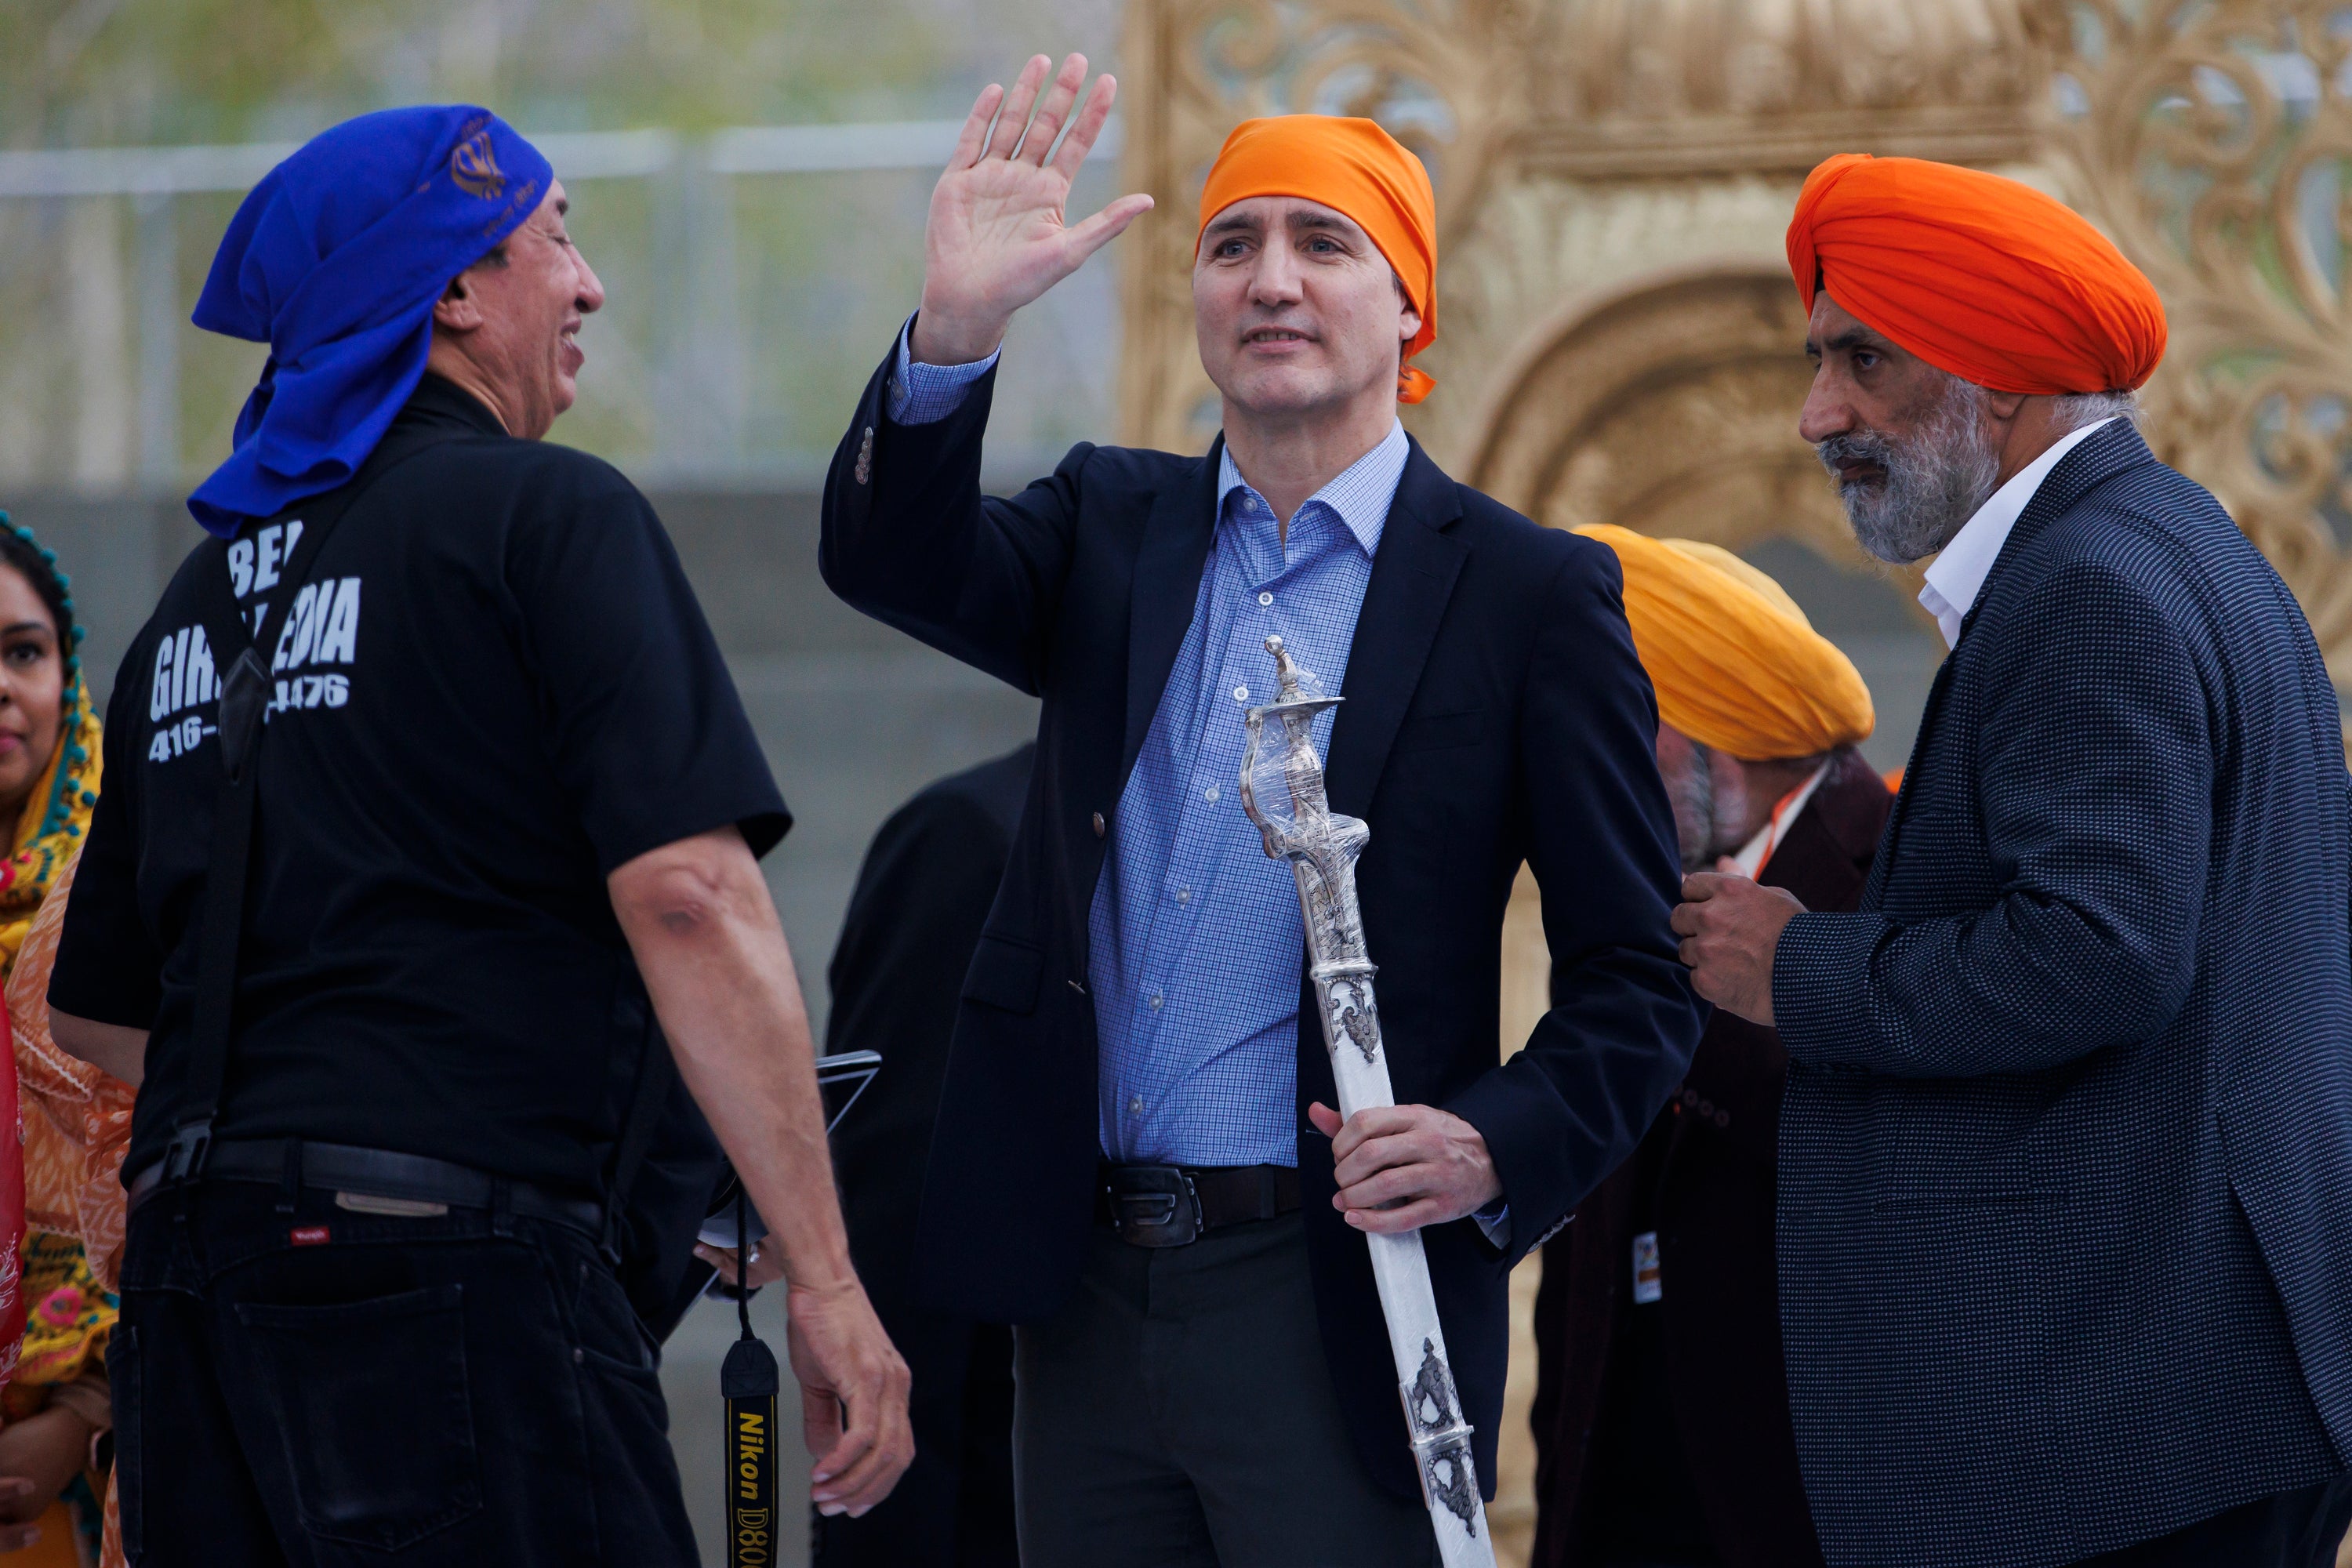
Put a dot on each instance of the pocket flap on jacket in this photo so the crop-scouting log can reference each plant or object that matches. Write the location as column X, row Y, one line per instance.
column 1004, row 975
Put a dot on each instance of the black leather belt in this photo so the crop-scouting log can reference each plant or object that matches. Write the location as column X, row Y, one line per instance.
column 1169, row 1206
column 373, row 1181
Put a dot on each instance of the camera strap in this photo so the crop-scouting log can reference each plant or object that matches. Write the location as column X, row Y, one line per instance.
column 749, row 1381
column 247, row 690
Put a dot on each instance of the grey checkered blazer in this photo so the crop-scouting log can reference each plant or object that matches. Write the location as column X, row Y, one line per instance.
column 2066, row 1225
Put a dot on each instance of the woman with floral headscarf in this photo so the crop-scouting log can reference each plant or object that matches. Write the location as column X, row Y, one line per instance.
column 73, row 1120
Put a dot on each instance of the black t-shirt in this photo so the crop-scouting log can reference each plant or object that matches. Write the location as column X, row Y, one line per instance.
column 497, row 687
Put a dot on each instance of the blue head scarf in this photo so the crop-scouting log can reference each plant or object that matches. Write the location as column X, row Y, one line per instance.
column 334, row 261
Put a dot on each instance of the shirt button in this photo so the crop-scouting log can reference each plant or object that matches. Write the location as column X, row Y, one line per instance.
column 1241, row 693
column 1099, row 824
column 1266, row 598
column 1183, row 895
column 1156, row 1000
column 1135, row 1105
column 1209, row 794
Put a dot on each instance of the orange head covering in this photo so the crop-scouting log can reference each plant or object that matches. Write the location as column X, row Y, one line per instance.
column 1734, row 661
column 1977, row 275
column 1356, row 168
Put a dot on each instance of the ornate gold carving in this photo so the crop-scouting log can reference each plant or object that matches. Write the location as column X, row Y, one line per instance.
column 1671, row 411
column 1645, row 88
column 2214, row 143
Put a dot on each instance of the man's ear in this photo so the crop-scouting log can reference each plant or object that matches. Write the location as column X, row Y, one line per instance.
column 1412, row 317
column 2003, row 406
column 458, row 310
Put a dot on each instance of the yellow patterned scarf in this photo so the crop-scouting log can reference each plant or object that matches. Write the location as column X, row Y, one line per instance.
column 55, row 818
column 67, row 1330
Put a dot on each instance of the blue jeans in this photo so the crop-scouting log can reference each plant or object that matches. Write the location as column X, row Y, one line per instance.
column 321, row 1387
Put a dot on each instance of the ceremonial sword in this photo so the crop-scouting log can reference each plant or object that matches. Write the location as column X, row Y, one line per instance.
column 1282, row 791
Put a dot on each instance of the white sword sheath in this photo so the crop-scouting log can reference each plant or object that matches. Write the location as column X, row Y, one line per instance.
column 1282, row 791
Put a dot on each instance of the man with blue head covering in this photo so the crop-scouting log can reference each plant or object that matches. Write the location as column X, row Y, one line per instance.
column 339, row 261
column 424, row 872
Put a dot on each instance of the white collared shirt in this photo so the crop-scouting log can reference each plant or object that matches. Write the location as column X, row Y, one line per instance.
column 1959, row 573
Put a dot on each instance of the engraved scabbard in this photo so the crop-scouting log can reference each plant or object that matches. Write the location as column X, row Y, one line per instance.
column 1282, row 791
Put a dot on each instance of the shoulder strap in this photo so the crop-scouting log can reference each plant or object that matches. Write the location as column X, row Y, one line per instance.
column 244, row 693
column 656, row 1080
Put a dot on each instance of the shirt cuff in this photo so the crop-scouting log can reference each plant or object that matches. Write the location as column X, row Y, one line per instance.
column 1494, row 1220
column 927, row 393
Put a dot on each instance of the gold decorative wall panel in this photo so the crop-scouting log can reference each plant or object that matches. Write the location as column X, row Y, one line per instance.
column 2214, row 143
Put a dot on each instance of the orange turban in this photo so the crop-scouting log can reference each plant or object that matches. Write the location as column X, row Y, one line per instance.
column 1356, row 168
column 1977, row 275
column 1734, row 661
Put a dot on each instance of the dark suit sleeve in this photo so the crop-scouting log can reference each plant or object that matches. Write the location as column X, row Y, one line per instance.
column 2096, row 778
column 908, row 537
column 1568, row 1110
column 922, row 896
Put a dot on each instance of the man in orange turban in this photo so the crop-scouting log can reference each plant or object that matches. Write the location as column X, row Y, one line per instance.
column 2065, row 1225
column 1964, row 324
column 1136, row 1161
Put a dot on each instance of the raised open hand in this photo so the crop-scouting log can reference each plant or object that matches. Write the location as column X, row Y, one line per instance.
column 998, row 235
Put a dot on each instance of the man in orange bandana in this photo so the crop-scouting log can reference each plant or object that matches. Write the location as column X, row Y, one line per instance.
column 1136, row 1161
column 2065, row 1222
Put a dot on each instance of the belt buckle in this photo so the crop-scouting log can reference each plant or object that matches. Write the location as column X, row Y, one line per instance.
column 183, row 1159
column 1153, row 1206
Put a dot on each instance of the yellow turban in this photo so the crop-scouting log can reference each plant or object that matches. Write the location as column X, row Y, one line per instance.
column 1736, row 664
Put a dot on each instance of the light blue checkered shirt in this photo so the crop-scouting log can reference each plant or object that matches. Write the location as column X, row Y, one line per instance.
column 1196, row 937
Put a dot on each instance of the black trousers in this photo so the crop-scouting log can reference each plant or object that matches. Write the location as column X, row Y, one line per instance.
column 321, row 1388
column 1179, row 1413
column 2300, row 1529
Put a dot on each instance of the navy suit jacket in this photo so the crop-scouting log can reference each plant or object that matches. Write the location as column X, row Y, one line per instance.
column 2065, row 1224
column 1495, row 714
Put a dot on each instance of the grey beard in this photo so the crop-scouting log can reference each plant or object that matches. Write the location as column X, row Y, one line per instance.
column 1699, row 835
column 1935, row 479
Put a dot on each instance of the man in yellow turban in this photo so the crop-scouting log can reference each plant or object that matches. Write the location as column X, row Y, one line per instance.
column 1136, row 1161
column 2065, row 1221
column 1662, row 1408
column 1753, row 703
